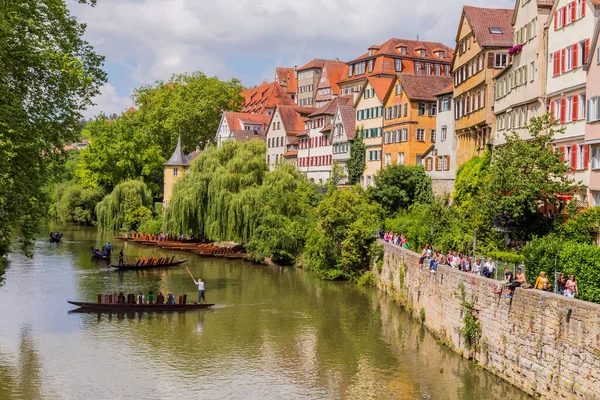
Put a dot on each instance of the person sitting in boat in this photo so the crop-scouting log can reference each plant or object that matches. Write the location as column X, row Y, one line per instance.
column 121, row 298
column 151, row 298
column 140, row 299
column 121, row 257
column 160, row 299
column 170, row 298
column 109, row 248
column 131, row 298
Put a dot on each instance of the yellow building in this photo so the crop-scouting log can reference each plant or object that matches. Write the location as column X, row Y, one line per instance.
column 409, row 118
column 482, row 42
column 175, row 168
column 369, row 120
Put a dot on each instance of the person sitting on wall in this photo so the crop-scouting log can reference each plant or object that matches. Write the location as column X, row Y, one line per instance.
column 519, row 281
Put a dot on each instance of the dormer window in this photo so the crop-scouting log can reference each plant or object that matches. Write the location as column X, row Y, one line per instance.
column 370, row 65
column 440, row 54
column 422, row 52
column 350, row 68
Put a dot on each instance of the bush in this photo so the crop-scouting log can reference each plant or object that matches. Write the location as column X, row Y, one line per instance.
column 367, row 279
column 540, row 254
column 75, row 204
column 507, row 257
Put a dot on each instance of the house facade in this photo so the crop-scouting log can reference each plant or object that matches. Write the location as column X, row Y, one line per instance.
column 286, row 123
column 440, row 162
column 409, row 118
column 175, row 168
column 569, row 32
column 315, row 151
column 308, row 79
column 286, row 78
column 264, row 98
column 521, row 87
column 369, row 120
column 484, row 37
column 328, row 87
column 592, row 129
column 343, row 130
column 237, row 126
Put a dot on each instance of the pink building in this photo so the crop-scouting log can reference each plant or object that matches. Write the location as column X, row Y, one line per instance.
column 592, row 127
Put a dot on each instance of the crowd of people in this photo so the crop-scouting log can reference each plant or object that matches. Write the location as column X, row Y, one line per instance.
column 431, row 259
column 131, row 298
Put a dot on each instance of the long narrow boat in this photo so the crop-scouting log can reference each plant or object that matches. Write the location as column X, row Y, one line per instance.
column 149, row 266
column 138, row 307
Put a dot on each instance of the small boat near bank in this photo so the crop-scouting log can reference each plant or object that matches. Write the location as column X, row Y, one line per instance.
column 100, row 254
column 117, row 307
column 55, row 237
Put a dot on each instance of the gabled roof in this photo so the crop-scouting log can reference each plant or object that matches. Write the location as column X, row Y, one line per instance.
column 246, row 135
column 423, row 87
column 331, row 106
column 482, row 19
column 315, row 63
column 381, row 85
column 178, row 158
column 448, row 89
column 293, row 118
column 265, row 95
column 348, row 114
column 335, row 71
column 286, row 77
column 235, row 119
column 392, row 48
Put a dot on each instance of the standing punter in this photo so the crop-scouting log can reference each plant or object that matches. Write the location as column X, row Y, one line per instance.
column 200, row 285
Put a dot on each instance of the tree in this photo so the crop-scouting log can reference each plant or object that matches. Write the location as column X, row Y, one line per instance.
column 357, row 162
column 525, row 174
column 339, row 243
column 48, row 76
column 399, row 186
column 128, row 206
column 187, row 105
column 76, row 204
column 121, row 149
column 471, row 178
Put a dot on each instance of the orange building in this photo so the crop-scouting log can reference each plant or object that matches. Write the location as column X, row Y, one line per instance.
column 482, row 42
column 409, row 118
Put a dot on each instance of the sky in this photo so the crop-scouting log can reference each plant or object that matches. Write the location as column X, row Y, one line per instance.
column 149, row 40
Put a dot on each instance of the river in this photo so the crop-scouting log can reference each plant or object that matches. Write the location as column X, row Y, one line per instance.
column 276, row 333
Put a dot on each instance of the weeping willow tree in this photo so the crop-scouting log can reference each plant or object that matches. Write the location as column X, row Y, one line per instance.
column 220, row 197
column 129, row 204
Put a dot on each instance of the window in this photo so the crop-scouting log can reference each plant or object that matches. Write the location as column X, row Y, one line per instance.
column 437, row 70
column 433, row 109
column 400, row 158
column 359, row 68
column 433, row 136
column 405, row 109
column 568, row 58
column 532, row 72
column 447, row 70
column 422, row 109
column 444, row 133
column 593, row 109
column 420, row 135
column 501, row 60
column 404, row 136
column 175, row 171
column 398, row 89
column 581, row 156
column 445, row 104
column 422, row 52
column 388, row 159
column 596, row 160
column 370, row 65
column 496, row 30
column 427, row 69
column 568, row 154
column 402, row 49
column 581, row 106
column 399, row 63
column 419, row 159
column 417, row 68
column 446, row 162
column 439, row 163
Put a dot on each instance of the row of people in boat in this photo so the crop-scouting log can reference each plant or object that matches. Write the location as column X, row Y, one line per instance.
column 145, row 261
column 56, row 235
column 151, row 298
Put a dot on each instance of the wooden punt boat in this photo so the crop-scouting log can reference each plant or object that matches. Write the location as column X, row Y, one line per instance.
column 203, row 254
column 123, row 238
column 137, row 307
column 149, row 266
column 100, row 256
column 234, row 256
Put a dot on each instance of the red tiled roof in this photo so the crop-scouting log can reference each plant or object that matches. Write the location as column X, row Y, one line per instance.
column 391, row 48
column 266, row 95
column 551, row 2
column 291, row 154
column 331, row 106
column 326, row 128
column 349, row 120
column 293, row 118
column 234, row 119
column 246, row 135
column 333, row 71
column 448, row 89
column 381, row 86
column 286, row 78
column 423, row 87
column 314, row 63
column 482, row 19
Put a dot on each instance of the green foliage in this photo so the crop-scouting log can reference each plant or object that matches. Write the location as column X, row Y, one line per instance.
column 422, row 315
column 187, row 105
column 76, row 204
column 128, row 206
column 472, row 327
column 581, row 227
column 541, row 254
column 150, row 226
column 48, row 76
column 524, row 174
column 367, row 279
column 507, row 257
column 121, row 149
column 339, row 243
column 470, row 180
column 400, row 186
column 357, row 163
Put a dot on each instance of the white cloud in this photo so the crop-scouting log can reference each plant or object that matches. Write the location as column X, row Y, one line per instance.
column 156, row 38
column 108, row 102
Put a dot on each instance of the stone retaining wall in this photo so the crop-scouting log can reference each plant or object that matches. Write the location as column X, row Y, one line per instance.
column 545, row 344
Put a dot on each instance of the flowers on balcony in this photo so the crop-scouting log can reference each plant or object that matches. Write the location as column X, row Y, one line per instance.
column 515, row 49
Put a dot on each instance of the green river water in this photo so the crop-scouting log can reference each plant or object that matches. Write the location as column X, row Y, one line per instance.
column 276, row 333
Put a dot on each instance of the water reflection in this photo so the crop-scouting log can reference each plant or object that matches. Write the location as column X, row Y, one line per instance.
column 275, row 333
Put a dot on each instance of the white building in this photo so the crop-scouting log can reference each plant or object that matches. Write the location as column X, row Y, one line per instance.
column 315, row 152
column 569, row 29
column 287, row 123
column 343, row 129
column 233, row 125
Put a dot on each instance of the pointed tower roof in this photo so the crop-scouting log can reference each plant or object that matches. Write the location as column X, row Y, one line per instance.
column 178, row 158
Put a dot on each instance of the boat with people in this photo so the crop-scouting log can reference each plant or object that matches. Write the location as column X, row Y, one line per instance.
column 103, row 254
column 55, row 237
column 123, row 307
column 152, row 262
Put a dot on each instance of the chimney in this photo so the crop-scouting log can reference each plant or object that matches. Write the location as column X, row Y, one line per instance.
column 296, row 71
